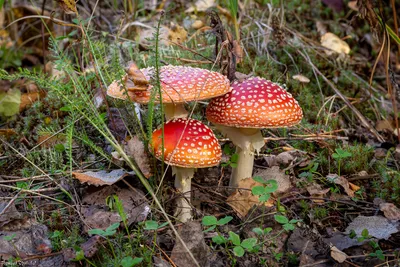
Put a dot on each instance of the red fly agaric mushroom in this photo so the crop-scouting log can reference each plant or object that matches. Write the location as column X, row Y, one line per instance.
column 253, row 104
column 179, row 85
column 188, row 144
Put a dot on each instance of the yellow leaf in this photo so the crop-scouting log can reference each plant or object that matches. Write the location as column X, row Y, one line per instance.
column 69, row 6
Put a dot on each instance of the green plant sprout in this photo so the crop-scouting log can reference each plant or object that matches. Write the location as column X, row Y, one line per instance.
column 264, row 191
column 129, row 261
column 378, row 253
column 240, row 247
column 259, row 231
column 286, row 224
column 233, row 159
column 153, row 225
column 340, row 155
column 213, row 222
column 309, row 171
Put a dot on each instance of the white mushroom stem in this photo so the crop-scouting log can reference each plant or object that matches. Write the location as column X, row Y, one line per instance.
column 248, row 141
column 183, row 179
column 172, row 111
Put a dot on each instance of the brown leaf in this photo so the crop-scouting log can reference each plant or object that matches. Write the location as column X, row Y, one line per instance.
column 340, row 180
column 334, row 43
column 136, row 150
column 276, row 174
column 69, row 6
column 237, row 51
column 353, row 5
column 301, row 78
column 338, row 255
column 98, row 218
column 7, row 132
column 390, row 211
column 243, row 200
column 101, row 177
column 193, row 236
column 133, row 200
column 91, row 246
column 315, row 190
column 27, row 99
column 135, row 76
column 48, row 140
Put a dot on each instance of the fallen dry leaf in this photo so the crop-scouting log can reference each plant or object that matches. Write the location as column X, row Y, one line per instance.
column 98, row 218
column 69, row 6
column 377, row 226
column 134, row 201
column 167, row 36
column 27, row 99
column 201, row 6
column 101, row 177
column 193, row 236
column 338, row 255
column 8, row 213
column 390, row 211
column 301, row 78
column 274, row 173
column 353, row 5
column 135, row 149
column 334, row 43
column 340, row 180
column 243, row 200
column 7, row 132
column 26, row 242
column 315, row 190
column 135, row 79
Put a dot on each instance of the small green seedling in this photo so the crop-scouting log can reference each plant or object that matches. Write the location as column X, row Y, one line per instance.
column 262, row 232
column 129, row 261
column 286, row 224
column 241, row 246
column 153, row 225
column 264, row 191
column 340, row 155
column 232, row 162
column 378, row 251
column 9, row 237
column 111, row 230
column 309, row 171
column 213, row 222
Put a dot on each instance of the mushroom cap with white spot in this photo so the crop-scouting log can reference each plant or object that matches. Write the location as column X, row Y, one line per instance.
column 255, row 103
column 196, row 148
column 180, row 84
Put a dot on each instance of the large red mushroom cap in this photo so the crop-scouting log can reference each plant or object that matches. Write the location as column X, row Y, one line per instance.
column 255, row 103
column 181, row 84
column 196, row 148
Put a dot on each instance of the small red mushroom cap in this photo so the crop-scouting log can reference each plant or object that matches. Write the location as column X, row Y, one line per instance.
column 196, row 148
column 255, row 103
column 181, row 84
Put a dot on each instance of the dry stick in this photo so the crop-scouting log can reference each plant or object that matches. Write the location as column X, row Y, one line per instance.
column 345, row 100
column 396, row 31
column 9, row 203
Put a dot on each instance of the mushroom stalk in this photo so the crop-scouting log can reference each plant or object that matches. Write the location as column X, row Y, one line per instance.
column 247, row 142
column 173, row 111
column 183, row 179
column 244, row 167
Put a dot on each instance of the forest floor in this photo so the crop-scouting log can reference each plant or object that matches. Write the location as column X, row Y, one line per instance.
column 79, row 186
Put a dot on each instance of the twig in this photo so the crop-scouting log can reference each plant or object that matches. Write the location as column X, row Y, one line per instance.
column 9, row 203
